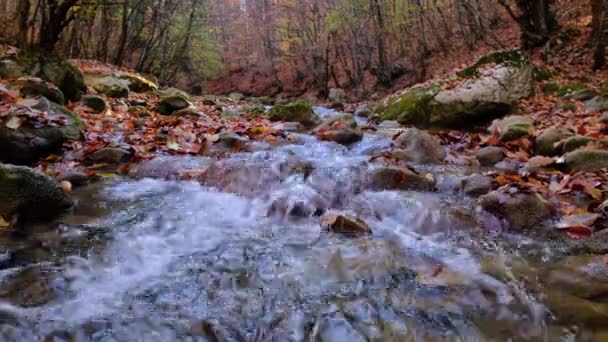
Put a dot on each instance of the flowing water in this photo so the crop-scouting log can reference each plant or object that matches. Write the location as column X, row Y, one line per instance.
column 245, row 259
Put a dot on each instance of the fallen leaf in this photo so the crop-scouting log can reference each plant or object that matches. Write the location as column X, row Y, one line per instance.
column 579, row 232
column 586, row 219
column 14, row 122
column 3, row 223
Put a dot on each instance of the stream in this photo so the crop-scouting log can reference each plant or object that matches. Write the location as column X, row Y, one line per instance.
column 244, row 258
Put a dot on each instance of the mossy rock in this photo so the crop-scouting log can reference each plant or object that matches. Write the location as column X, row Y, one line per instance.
column 137, row 83
column 578, row 141
column 586, row 160
column 520, row 210
column 490, row 155
column 296, row 111
column 30, row 194
column 33, row 86
column 30, row 142
column 571, row 89
column 510, row 58
column 47, row 66
column 255, row 110
column 190, row 111
column 597, row 104
column 168, row 92
column 411, row 108
column 513, row 127
column 236, row 97
column 140, row 111
column 169, row 105
column 108, row 85
column 548, row 138
column 551, row 88
column 541, row 74
column 96, row 103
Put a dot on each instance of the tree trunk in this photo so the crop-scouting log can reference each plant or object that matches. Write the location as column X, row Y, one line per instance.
column 537, row 20
column 600, row 32
column 23, row 23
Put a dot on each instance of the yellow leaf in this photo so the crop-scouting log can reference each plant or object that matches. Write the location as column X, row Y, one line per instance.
column 3, row 223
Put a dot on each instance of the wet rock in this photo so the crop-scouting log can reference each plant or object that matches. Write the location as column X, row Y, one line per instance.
column 336, row 106
column 33, row 87
column 582, row 95
column 578, row 141
column 297, row 201
column 231, row 139
column 288, row 126
column 586, row 160
column 28, row 141
column 30, row 194
column 111, row 155
column 341, row 129
column 236, row 96
column 473, row 185
column 573, row 310
column 389, row 124
column 398, row 178
column 343, row 223
column 190, row 111
column 547, row 139
column 297, row 111
column 597, row 104
column 490, row 156
column 30, row 287
column 108, row 85
column 172, row 168
column 363, row 112
column 209, row 102
column 49, row 67
column 481, row 93
column 170, row 104
column 140, row 111
column 513, row 127
column 419, row 147
column 96, row 103
column 333, row 329
column 583, row 276
column 74, row 177
column 516, row 208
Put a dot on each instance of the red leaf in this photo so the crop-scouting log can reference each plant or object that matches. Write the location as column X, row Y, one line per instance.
column 579, row 232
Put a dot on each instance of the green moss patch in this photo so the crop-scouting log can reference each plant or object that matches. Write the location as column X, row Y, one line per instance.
column 510, row 57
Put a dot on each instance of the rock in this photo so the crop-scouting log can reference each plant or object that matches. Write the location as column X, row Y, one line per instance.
column 74, row 177
column 389, row 124
column 513, row 127
column 341, row 129
column 108, row 85
column 546, row 140
column 169, row 105
column 33, row 87
column 337, row 95
column 138, row 102
column 288, row 126
column 136, row 83
column 363, row 112
column 209, row 102
column 398, row 178
column 297, row 111
column 582, row 95
column 597, row 104
column 168, row 92
column 169, row 167
column 419, row 147
column 484, row 92
column 47, row 66
column 190, row 111
column 140, row 122
column 586, row 160
column 583, row 276
column 140, row 111
column 490, row 155
column 30, row 194
column 111, row 155
column 231, row 140
column 342, row 223
column 516, row 208
column 32, row 140
column 298, row 201
column 96, row 103
column 473, row 185
column 538, row 164
column 236, row 97
column 578, row 141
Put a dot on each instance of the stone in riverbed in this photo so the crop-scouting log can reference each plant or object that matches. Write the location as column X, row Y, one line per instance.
column 419, row 147
column 342, row 223
column 473, row 185
column 490, row 155
column 546, row 140
column 586, row 160
column 578, row 141
column 517, row 208
column 341, row 129
column 297, row 111
column 23, row 141
column 96, row 103
column 398, row 178
column 583, row 276
column 33, row 87
column 30, row 194
column 108, row 85
column 111, row 155
column 171, row 104
column 513, row 127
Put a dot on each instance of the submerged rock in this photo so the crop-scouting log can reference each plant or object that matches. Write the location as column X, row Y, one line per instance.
column 583, row 276
column 473, row 185
column 297, row 111
column 398, row 178
column 341, row 129
column 419, row 147
column 33, row 87
column 490, row 155
column 547, row 139
column 485, row 92
column 517, row 208
column 23, row 141
column 30, row 194
column 111, row 155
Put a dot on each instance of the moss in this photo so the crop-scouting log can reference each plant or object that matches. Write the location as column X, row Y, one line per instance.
column 551, row 88
column 570, row 89
column 95, row 103
column 576, row 142
column 296, row 111
column 541, row 74
column 255, row 111
column 170, row 104
column 412, row 107
column 586, row 160
column 569, row 107
column 509, row 57
column 139, row 110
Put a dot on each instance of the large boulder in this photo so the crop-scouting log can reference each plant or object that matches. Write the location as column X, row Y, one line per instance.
column 419, row 147
column 515, row 208
column 29, row 194
column 47, row 66
column 483, row 92
column 297, row 111
column 108, row 85
column 33, row 87
column 35, row 128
